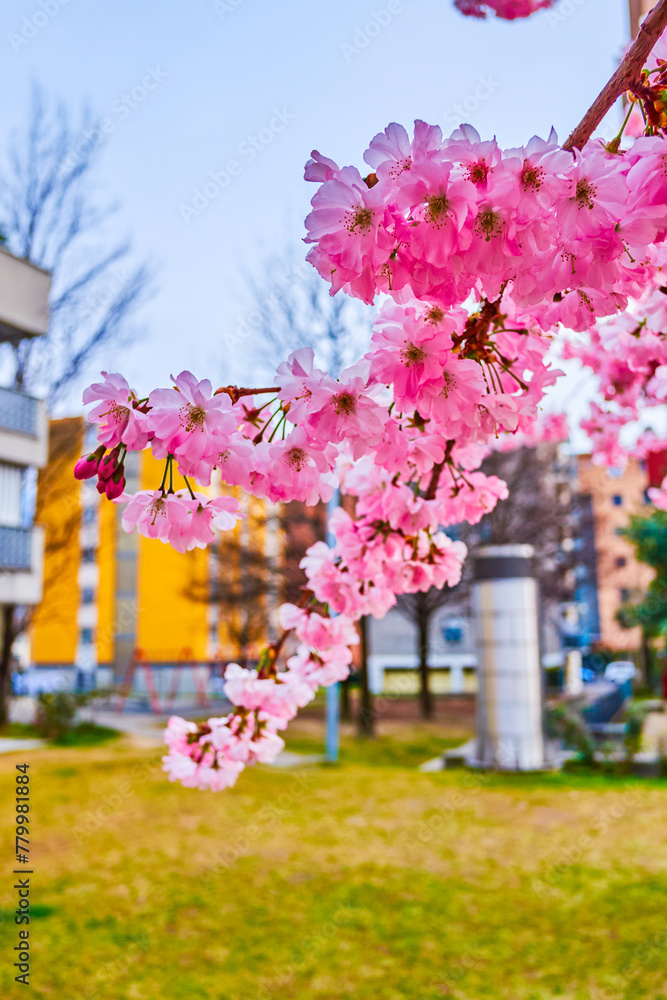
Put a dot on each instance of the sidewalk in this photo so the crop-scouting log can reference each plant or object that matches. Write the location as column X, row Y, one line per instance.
column 9, row 745
column 144, row 729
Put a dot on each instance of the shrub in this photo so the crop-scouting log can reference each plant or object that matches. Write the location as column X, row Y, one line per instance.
column 56, row 713
column 567, row 725
column 635, row 714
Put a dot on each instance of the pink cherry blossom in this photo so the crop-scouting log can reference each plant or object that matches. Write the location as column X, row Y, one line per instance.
column 391, row 152
column 344, row 411
column 320, row 168
column 191, row 423
column 116, row 414
column 658, row 496
column 294, row 469
column 205, row 514
column 153, row 514
column 455, row 395
column 347, row 223
column 279, row 697
column 297, row 379
column 408, row 352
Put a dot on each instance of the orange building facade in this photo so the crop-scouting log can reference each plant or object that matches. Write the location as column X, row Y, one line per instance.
column 109, row 594
column 620, row 578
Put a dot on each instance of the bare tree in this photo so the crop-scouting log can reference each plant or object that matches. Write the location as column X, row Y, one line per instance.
column 239, row 587
column 49, row 216
column 538, row 512
column 419, row 609
column 289, row 307
column 12, row 626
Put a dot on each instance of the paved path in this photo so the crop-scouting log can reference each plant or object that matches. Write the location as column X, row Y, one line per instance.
column 22, row 709
column 9, row 745
column 141, row 728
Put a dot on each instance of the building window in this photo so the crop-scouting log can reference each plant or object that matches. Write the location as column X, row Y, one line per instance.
column 89, row 515
column 620, row 561
column 86, row 636
column 619, row 531
column 625, row 595
column 88, row 555
column 87, row 595
column 617, row 500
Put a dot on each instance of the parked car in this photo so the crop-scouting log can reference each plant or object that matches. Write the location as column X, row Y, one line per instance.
column 620, row 671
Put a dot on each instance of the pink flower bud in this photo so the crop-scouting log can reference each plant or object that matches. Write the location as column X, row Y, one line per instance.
column 115, row 485
column 108, row 465
column 88, row 465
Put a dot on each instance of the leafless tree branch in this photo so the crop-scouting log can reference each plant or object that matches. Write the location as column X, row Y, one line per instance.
column 48, row 215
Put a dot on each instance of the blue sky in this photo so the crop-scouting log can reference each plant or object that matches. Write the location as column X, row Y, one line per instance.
column 259, row 84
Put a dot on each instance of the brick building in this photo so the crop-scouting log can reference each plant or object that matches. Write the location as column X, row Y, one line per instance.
column 608, row 572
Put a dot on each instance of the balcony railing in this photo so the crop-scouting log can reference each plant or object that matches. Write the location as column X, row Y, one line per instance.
column 18, row 412
column 15, row 548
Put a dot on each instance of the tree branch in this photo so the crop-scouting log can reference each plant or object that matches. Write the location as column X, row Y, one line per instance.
column 434, row 480
column 627, row 75
column 235, row 392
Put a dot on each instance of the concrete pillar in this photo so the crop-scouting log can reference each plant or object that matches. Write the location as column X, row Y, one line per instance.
column 509, row 701
column 574, row 682
column 456, row 682
column 375, row 674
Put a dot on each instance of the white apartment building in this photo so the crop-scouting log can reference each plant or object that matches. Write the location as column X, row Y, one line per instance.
column 24, row 295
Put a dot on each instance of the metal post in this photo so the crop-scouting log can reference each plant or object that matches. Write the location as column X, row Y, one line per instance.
column 332, row 711
column 509, row 700
column 333, row 691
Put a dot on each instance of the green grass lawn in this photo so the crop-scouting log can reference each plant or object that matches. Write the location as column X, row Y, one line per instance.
column 367, row 880
column 83, row 734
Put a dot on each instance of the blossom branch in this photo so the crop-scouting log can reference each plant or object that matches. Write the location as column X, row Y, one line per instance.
column 627, row 76
column 267, row 667
column 235, row 392
column 434, row 480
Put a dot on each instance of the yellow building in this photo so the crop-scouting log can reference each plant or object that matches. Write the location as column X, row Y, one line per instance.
column 110, row 596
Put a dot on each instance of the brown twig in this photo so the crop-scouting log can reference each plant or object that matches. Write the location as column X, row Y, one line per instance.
column 626, row 76
column 272, row 651
column 235, row 392
column 434, row 480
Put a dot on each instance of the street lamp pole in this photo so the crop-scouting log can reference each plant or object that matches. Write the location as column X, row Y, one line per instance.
column 333, row 691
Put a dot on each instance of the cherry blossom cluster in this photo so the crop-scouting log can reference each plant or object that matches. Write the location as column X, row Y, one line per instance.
column 627, row 353
column 628, row 356
column 509, row 10
column 479, row 255
column 395, row 543
column 404, row 429
column 562, row 236
column 433, row 389
column 212, row 755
